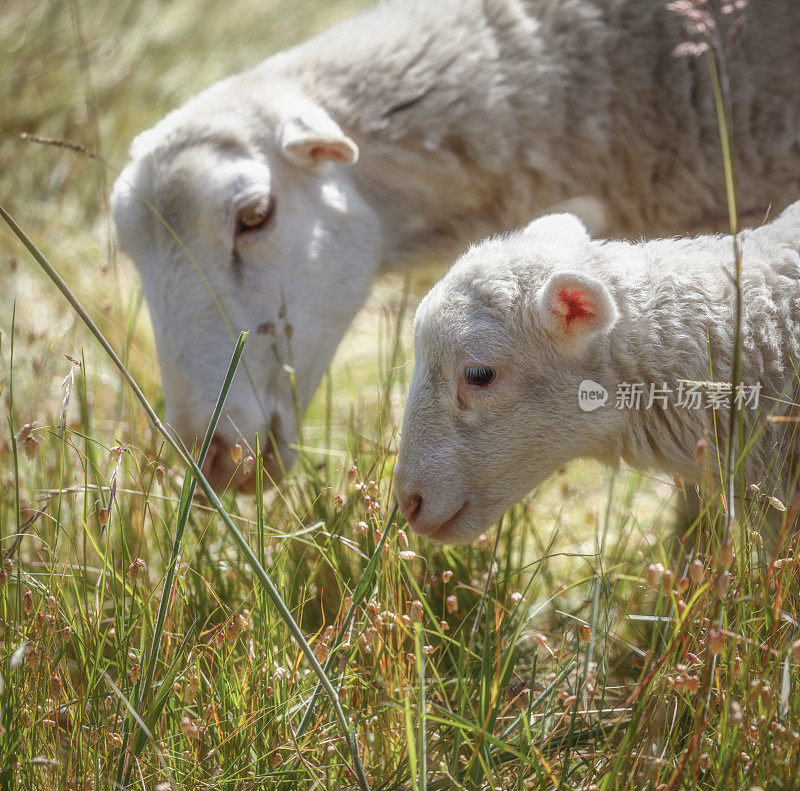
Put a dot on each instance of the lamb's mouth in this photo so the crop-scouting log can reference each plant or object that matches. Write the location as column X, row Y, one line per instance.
column 439, row 533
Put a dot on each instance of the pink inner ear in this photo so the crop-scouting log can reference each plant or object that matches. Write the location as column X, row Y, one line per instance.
column 328, row 152
column 575, row 306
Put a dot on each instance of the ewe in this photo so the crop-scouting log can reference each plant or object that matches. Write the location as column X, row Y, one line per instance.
column 270, row 201
column 545, row 345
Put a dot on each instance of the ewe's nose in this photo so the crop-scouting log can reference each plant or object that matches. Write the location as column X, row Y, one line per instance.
column 410, row 506
column 215, row 468
column 409, row 500
column 224, row 471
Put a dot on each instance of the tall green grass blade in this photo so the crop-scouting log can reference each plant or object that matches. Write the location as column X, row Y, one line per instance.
column 422, row 735
column 185, row 504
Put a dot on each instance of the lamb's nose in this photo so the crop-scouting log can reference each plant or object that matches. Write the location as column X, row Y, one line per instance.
column 408, row 499
column 410, row 506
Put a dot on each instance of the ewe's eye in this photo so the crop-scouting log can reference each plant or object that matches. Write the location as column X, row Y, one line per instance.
column 255, row 215
column 479, row 375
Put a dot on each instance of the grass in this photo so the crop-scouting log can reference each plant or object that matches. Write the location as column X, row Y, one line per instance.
column 556, row 653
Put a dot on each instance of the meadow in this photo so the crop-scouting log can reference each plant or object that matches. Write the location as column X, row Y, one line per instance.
column 581, row 644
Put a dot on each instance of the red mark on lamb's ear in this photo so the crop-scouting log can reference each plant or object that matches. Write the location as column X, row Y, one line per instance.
column 575, row 306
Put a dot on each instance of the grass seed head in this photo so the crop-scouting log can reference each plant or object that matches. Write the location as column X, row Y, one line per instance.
column 697, row 571
column 722, row 584
column 136, row 566
column 33, row 657
column 416, row 610
column 796, row 652
column 777, row 504
column 653, row 575
column 192, row 687
column 321, row 650
column 569, row 701
column 31, row 445
column 160, row 474
column 235, row 627
column 725, row 555
column 102, row 517
column 451, row 603
column 716, row 641
column 190, row 729
column 236, row 453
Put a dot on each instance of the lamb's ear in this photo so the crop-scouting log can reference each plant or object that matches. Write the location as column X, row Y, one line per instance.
column 557, row 227
column 575, row 307
column 306, row 142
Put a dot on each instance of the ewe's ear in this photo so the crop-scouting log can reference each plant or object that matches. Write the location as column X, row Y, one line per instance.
column 306, row 142
column 557, row 227
column 575, row 307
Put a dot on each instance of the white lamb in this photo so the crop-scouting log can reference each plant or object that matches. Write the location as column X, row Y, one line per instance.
column 517, row 347
column 270, row 201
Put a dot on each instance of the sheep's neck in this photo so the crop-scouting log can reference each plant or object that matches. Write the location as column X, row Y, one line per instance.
column 450, row 151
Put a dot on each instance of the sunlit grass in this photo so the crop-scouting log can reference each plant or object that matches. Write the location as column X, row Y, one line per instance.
column 557, row 652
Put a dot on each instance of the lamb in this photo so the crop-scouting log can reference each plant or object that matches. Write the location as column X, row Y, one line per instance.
column 270, row 201
column 530, row 349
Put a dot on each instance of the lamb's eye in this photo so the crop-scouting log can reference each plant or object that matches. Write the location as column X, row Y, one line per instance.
column 479, row 375
column 255, row 216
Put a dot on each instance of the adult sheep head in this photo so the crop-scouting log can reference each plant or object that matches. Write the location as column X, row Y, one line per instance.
column 241, row 215
column 502, row 345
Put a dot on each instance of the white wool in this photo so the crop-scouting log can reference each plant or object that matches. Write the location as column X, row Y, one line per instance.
column 548, row 312
column 402, row 135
